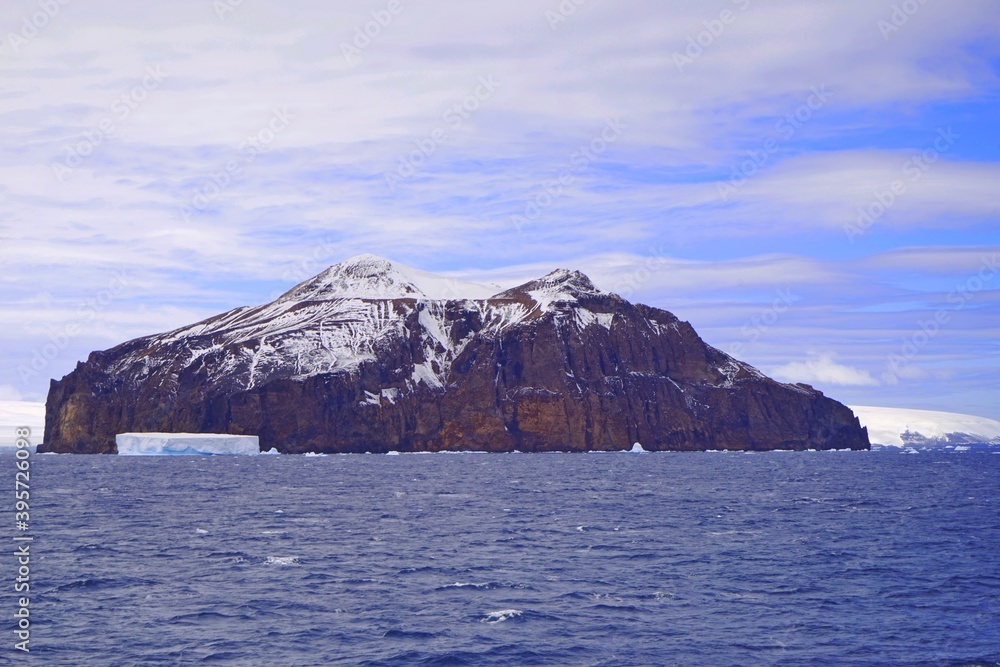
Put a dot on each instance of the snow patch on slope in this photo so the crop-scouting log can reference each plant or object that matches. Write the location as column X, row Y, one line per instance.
column 425, row 373
column 586, row 318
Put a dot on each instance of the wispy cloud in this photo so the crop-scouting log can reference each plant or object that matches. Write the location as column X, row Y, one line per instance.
column 822, row 369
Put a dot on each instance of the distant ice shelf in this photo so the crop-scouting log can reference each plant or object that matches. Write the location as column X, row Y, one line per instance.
column 196, row 444
column 902, row 427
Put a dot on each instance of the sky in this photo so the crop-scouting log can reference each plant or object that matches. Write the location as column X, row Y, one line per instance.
column 814, row 185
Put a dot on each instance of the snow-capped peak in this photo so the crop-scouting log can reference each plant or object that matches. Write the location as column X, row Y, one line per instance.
column 557, row 289
column 564, row 280
column 335, row 321
column 561, row 284
column 372, row 277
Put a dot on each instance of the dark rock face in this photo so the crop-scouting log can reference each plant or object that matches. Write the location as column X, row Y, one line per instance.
column 361, row 359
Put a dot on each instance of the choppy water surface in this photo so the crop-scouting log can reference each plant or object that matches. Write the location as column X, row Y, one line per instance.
column 551, row 559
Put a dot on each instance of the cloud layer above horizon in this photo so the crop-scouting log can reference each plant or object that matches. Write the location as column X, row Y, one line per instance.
column 813, row 185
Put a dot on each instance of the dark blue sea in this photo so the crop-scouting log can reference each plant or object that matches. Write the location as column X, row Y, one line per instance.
column 815, row 558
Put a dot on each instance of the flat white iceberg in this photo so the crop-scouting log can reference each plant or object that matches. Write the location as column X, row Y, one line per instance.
column 168, row 444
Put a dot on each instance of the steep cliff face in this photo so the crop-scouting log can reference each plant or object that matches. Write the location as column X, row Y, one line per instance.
column 370, row 356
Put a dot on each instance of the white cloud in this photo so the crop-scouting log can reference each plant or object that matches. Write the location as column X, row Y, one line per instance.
column 9, row 393
column 909, row 372
column 644, row 218
column 823, row 370
column 827, row 189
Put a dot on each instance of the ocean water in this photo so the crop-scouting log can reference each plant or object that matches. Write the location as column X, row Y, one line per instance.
column 815, row 558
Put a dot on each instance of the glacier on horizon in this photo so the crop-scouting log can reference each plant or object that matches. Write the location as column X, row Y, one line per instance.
column 191, row 444
column 904, row 427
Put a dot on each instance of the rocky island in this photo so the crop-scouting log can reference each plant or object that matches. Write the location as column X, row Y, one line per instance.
column 373, row 356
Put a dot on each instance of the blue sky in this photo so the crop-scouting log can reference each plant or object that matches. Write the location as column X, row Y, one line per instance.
column 813, row 185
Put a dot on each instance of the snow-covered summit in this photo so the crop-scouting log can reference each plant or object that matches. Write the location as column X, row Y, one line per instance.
column 556, row 290
column 372, row 277
column 561, row 283
column 341, row 318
